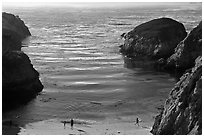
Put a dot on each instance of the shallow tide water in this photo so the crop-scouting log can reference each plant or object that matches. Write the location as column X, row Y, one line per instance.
column 76, row 52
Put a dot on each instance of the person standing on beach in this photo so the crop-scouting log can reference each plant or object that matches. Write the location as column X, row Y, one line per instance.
column 72, row 123
column 137, row 121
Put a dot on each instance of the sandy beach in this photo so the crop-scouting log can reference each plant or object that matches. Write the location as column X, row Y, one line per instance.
column 92, row 115
column 55, row 127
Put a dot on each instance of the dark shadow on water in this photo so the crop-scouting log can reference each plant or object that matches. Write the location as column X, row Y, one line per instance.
column 148, row 66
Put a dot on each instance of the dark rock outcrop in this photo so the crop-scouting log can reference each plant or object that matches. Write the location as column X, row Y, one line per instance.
column 187, row 50
column 182, row 113
column 20, row 81
column 13, row 32
column 154, row 39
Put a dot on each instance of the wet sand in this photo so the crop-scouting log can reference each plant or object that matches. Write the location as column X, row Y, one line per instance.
column 108, row 127
column 56, row 127
column 93, row 114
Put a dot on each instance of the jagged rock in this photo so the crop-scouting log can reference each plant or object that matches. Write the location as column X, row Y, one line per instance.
column 182, row 113
column 123, row 35
column 13, row 32
column 20, row 81
column 187, row 50
column 154, row 39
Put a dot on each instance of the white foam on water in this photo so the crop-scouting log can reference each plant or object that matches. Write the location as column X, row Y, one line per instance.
column 95, row 58
column 87, row 68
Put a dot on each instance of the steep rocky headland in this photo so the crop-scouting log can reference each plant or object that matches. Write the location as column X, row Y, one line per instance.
column 182, row 112
column 20, row 81
column 166, row 42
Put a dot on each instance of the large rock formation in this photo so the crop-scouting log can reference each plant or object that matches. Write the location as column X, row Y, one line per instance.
column 20, row 81
column 187, row 50
column 182, row 113
column 154, row 39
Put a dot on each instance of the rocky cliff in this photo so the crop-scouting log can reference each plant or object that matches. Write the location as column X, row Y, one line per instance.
column 182, row 113
column 154, row 39
column 187, row 50
column 20, row 81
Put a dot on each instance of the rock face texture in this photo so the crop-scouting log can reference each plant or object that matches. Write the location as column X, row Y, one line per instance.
column 187, row 50
column 154, row 39
column 20, row 81
column 182, row 113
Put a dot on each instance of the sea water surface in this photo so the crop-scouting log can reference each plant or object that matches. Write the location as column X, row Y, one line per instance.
column 76, row 52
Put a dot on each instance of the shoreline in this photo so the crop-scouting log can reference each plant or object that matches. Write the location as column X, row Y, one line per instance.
column 111, row 117
column 56, row 127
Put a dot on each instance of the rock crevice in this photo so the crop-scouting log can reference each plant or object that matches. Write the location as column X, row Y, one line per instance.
column 187, row 50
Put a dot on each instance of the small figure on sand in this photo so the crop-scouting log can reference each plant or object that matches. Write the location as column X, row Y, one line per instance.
column 72, row 123
column 137, row 121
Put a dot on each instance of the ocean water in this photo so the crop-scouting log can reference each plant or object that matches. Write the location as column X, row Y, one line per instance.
column 77, row 49
column 76, row 52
